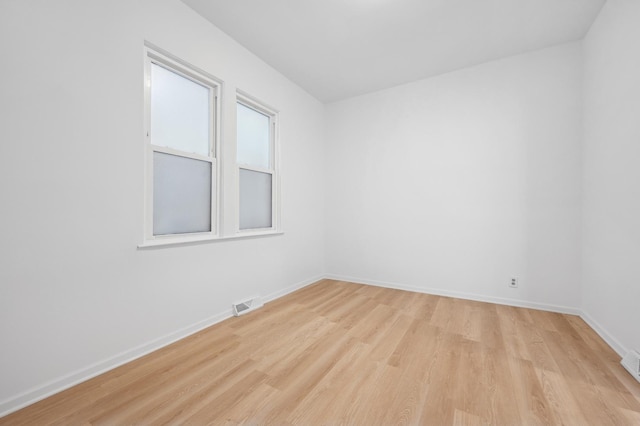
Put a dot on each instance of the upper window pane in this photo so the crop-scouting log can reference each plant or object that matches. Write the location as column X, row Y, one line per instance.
column 253, row 138
column 180, row 112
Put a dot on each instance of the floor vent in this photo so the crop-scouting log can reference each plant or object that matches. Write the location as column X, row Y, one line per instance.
column 247, row 306
column 631, row 362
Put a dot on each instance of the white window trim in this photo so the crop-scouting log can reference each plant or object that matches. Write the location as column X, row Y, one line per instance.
column 223, row 190
column 156, row 56
column 261, row 107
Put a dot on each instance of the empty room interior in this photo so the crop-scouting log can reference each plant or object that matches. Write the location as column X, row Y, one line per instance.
column 335, row 212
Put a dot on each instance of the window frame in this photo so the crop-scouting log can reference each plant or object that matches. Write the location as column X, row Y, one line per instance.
column 183, row 69
column 274, row 169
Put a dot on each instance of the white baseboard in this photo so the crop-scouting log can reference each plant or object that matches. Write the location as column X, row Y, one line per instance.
column 81, row 375
column 599, row 329
column 461, row 295
column 606, row 336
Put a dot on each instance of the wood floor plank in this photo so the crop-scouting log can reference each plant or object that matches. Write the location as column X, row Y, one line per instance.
column 373, row 322
column 422, row 306
column 499, row 383
column 341, row 353
column 532, row 403
column 248, row 409
column 538, row 352
column 319, row 402
column 508, row 322
column 560, row 397
column 462, row 418
column 490, row 329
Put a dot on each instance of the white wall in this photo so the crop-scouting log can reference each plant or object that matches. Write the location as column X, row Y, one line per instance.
column 76, row 295
column 611, row 228
column 454, row 184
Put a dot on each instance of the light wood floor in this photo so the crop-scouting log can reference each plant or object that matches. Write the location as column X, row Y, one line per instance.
column 341, row 353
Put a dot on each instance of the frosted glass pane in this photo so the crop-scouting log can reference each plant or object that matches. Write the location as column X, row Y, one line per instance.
column 253, row 138
column 255, row 199
column 181, row 195
column 179, row 112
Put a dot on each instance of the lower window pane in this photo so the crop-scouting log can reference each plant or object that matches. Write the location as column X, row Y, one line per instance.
column 181, row 195
column 255, row 199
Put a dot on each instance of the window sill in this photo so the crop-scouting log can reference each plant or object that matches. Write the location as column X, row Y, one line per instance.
column 165, row 242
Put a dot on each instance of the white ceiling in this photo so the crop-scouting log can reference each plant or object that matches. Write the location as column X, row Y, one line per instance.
column 335, row 49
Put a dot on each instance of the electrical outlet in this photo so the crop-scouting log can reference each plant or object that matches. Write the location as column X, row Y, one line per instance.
column 513, row 283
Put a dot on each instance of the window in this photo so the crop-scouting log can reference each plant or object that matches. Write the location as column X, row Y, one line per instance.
column 257, row 179
column 198, row 186
column 182, row 169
